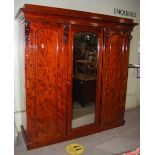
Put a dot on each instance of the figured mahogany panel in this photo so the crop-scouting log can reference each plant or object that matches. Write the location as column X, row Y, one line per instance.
column 112, row 75
column 46, row 81
column 45, row 66
column 62, row 82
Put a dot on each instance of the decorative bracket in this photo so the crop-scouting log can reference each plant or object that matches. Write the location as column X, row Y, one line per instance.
column 66, row 32
column 107, row 37
column 27, row 31
column 129, row 36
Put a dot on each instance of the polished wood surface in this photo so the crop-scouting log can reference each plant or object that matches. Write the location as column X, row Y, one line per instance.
column 76, row 14
column 49, row 34
column 114, row 78
column 46, row 109
column 58, row 15
column 111, row 75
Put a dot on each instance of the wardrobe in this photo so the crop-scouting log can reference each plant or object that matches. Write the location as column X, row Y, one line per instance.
column 74, row 70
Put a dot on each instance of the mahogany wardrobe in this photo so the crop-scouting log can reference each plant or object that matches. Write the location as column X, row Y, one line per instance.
column 74, row 70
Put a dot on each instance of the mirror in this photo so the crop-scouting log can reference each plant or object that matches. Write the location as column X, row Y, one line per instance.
column 85, row 51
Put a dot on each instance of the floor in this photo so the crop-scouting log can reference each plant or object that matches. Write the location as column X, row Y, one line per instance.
column 111, row 142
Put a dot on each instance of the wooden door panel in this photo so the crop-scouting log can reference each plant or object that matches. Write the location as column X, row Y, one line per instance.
column 113, row 96
column 44, row 67
column 46, row 81
column 112, row 76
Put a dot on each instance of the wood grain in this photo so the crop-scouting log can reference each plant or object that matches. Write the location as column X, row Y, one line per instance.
column 114, row 78
column 49, row 71
column 46, row 108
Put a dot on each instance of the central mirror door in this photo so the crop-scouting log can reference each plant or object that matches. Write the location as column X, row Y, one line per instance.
column 84, row 78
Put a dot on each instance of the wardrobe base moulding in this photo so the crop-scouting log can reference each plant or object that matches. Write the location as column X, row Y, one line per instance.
column 33, row 145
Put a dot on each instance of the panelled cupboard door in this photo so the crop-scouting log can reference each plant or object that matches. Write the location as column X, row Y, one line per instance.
column 45, row 86
column 114, row 75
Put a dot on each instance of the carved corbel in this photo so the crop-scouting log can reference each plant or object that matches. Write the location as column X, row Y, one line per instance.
column 66, row 33
column 27, row 31
column 107, row 37
column 129, row 36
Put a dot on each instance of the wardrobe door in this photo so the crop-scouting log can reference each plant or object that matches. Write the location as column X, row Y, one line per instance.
column 84, row 76
column 45, row 85
column 114, row 75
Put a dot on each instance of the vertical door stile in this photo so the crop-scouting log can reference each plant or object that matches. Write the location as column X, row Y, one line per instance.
column 105, row 72
column 69, row 79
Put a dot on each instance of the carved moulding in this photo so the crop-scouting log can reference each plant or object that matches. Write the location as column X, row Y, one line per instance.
column 27, row 31
column 66, row 32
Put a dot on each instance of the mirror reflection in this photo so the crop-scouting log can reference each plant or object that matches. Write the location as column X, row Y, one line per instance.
column 84, row 78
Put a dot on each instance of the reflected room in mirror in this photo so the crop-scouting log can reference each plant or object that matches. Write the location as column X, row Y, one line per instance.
column 84, row 78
